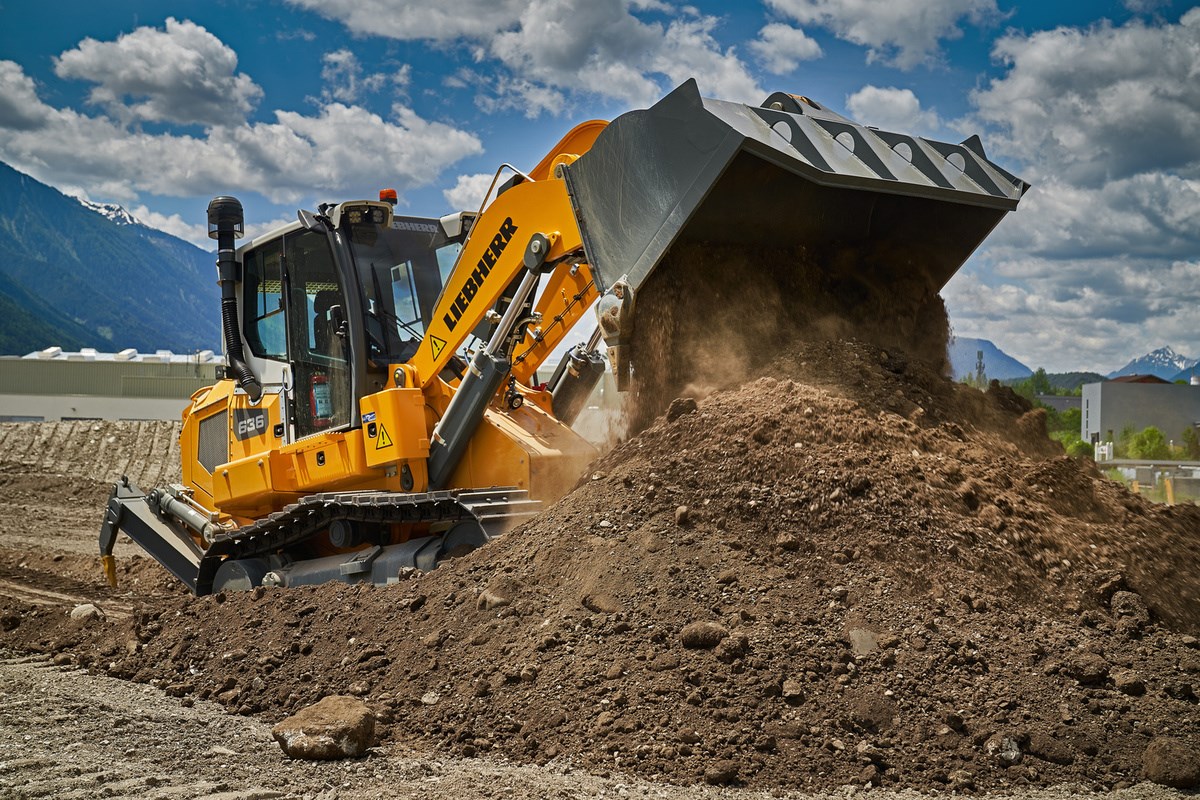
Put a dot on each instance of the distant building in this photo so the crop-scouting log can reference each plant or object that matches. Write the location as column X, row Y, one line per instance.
column 1060, row 402
column 1138, row 401
column 51, row 384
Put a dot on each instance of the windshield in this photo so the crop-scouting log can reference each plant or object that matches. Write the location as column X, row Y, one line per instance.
column 401, row 270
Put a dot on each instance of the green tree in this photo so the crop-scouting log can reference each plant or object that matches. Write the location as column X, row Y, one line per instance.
column 1121, row 447
column 1079, row 449
column 1148, row 444
column 1039, row 383
column 1191, row 444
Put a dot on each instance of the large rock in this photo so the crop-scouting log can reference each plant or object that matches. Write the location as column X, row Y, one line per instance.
column 1171, row 762
column 336, row 727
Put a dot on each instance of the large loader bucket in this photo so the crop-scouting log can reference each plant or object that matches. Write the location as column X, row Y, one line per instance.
column 719, row 231
column 789, row 173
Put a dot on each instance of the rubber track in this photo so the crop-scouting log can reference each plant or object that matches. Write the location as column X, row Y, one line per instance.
column 495, row 510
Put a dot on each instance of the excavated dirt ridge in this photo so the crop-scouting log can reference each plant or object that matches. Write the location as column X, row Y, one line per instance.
column 839, row 568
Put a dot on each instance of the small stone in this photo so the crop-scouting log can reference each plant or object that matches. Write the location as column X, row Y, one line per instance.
column 88, row 613
column 601, row 603
column 689, row 736
column 605, row 523
column 679, row 407
column 1049, row 748
column 1089, row 669
column 1128, row 682
column 336, row 727
column 683, row 515
column 489, row 600
column 839, row 592
column 722, row 773
column 430, row 699
column 703, row 635
column 1003, row 749
column 359, row 688
column 732, row 648
column 862, row 641
column 793, row 692
column 1129, row 605
column 1173, row 763
column 962, row 779
column 62, row 660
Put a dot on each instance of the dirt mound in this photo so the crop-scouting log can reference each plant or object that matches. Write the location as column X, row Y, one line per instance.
column 847, row 569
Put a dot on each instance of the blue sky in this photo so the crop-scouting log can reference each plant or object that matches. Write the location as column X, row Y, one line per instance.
column 287, row 103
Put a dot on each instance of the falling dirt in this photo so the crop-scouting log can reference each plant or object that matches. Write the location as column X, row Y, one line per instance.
column 824, row 564
column 721, row 314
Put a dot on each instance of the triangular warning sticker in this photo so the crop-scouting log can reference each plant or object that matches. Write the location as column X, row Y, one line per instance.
column 383, row 440
column 437, row 345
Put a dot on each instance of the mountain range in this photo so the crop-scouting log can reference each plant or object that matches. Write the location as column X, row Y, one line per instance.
column 90, row 275
column 80, row 274
column 1163, row 362
column 996, row 363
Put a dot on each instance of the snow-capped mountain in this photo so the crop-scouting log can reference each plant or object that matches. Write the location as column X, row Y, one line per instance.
column 112, row 211
column 1163, row 362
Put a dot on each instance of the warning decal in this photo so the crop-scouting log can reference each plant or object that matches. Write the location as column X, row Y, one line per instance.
column 383, row 440
column 437, row 345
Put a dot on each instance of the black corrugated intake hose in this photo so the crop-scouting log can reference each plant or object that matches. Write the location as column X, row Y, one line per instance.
column 225, row 224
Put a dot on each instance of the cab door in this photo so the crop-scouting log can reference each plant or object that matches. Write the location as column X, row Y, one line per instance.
column 318, row 339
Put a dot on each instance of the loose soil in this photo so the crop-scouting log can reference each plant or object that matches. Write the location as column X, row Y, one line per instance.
column 832, row 567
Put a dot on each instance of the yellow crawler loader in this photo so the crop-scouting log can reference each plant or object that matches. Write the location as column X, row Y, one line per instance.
column 382, row 409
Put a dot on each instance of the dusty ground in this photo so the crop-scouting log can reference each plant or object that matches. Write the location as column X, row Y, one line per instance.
column 65, row 734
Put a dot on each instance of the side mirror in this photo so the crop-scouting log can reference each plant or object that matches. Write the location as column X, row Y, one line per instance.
column 311, row 221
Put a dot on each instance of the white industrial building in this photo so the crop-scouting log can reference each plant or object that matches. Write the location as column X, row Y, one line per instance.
column 53, row 384
column 1138, row 401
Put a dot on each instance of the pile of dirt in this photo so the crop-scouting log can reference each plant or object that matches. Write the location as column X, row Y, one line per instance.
column 845, row 569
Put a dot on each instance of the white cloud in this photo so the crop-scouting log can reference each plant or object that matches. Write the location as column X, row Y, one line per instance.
column 343, row 150
column 344, row 81
column 182, row 74
column 1099, row 104
column 690, row 50
column 1151, row 215
column 1145, row 6
column 550, row 50
column 1099, row 263
column 20, row 107
column 1090, row 314
column 900, row 33
column 403, row 19
column 892, row 109
column 781, row 48
column 174, row 224
column 468, row 191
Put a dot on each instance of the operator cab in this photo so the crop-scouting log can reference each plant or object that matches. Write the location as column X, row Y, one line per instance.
column 330, row 301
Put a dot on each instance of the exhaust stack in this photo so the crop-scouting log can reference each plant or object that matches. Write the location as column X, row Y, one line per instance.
column 226, row 223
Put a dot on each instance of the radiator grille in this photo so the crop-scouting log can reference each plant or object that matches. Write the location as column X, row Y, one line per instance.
column 213, row 447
